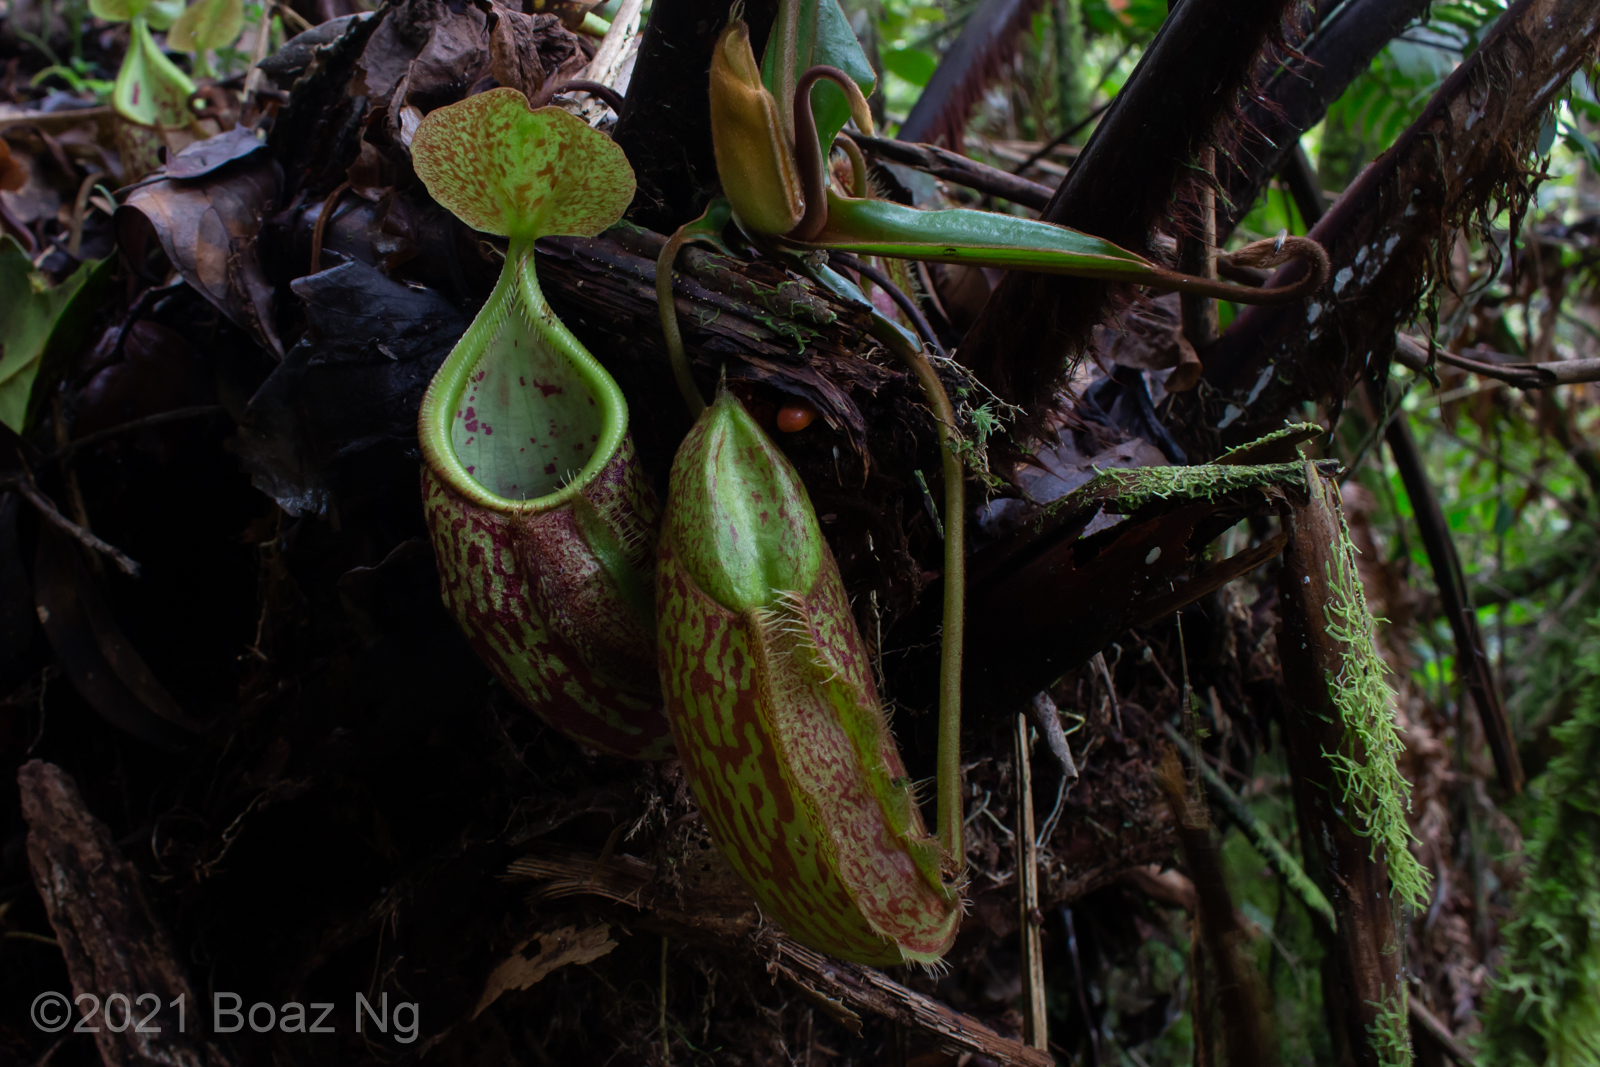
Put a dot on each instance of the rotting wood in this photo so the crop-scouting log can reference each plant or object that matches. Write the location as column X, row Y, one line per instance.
column 109, row 936
column 1472, row 662
column 715, row 912
column 762, row 323
column 1353, row 874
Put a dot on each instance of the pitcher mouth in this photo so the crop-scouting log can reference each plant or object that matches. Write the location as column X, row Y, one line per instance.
column 520, row 417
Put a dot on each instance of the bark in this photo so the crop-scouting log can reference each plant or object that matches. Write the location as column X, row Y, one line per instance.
column 1461, row 159
column 1472, row 662
column 1346, row 38
column 112, row 941
column 1120, row 187
column 665, row 125
column 1366, row 950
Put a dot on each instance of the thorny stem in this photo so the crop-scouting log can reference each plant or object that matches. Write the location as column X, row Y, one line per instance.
column 948, row 774
column 669, row 323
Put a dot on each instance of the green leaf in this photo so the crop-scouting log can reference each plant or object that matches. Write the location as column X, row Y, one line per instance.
column 117, row 10
column 163, row 13
column 150, row 88
column 912, row 64
column 506, row 169
column 1504, row 519
column 208, row 24
column 806, row 34
column 29, row 311
column 985, row 238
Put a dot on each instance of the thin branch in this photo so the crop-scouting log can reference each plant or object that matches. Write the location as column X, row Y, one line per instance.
column 1472, row 663
column 160, row 418
column 1412, row 352
column 46, row 507
column 956, row 168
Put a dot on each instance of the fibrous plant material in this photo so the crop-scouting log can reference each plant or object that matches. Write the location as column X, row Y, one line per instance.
column 776, row 715
column 1464, row 161
column 540, row 515
column 1340, row 735
column 1120, row 187
column 1545, row 1005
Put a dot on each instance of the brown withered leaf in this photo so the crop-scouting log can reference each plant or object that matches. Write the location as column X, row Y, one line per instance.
column 570, row 12
column 13, row 171
column 526, row 50
column 1149, row 336
column 371, row 175
column 208, row 232
column 203, row 157
column 102, row 664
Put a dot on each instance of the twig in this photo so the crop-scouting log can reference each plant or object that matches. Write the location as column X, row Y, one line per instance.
column 1441, row 1033
column 158, row 419
column 726, row 922
column 956, row 168
column 1034, row 1029
column 1278, row 858
column 47, row 509
column 1472, row 664
column 329, row 203
column 666, row 1040
column 1099, row 662
column 1413, row 353
column 1078, row 986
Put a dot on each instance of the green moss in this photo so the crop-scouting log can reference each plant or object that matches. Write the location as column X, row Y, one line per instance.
column 1127, row 489
column 1391, row 1032
column 1544, row 1006
column 1295, row 431
column 1366, row 763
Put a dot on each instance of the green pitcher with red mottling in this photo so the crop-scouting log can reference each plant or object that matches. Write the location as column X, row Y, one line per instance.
column 541, row 519
column 777, row 720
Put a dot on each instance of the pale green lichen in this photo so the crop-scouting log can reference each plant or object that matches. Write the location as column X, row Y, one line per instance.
column 1367, row 762
column 1544, row 1007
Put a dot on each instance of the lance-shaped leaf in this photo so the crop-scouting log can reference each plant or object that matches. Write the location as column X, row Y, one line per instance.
column 773, row 705
column 541, row 519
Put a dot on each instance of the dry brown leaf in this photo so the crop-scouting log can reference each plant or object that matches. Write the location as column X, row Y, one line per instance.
column 556, row 949
column 208, row 231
